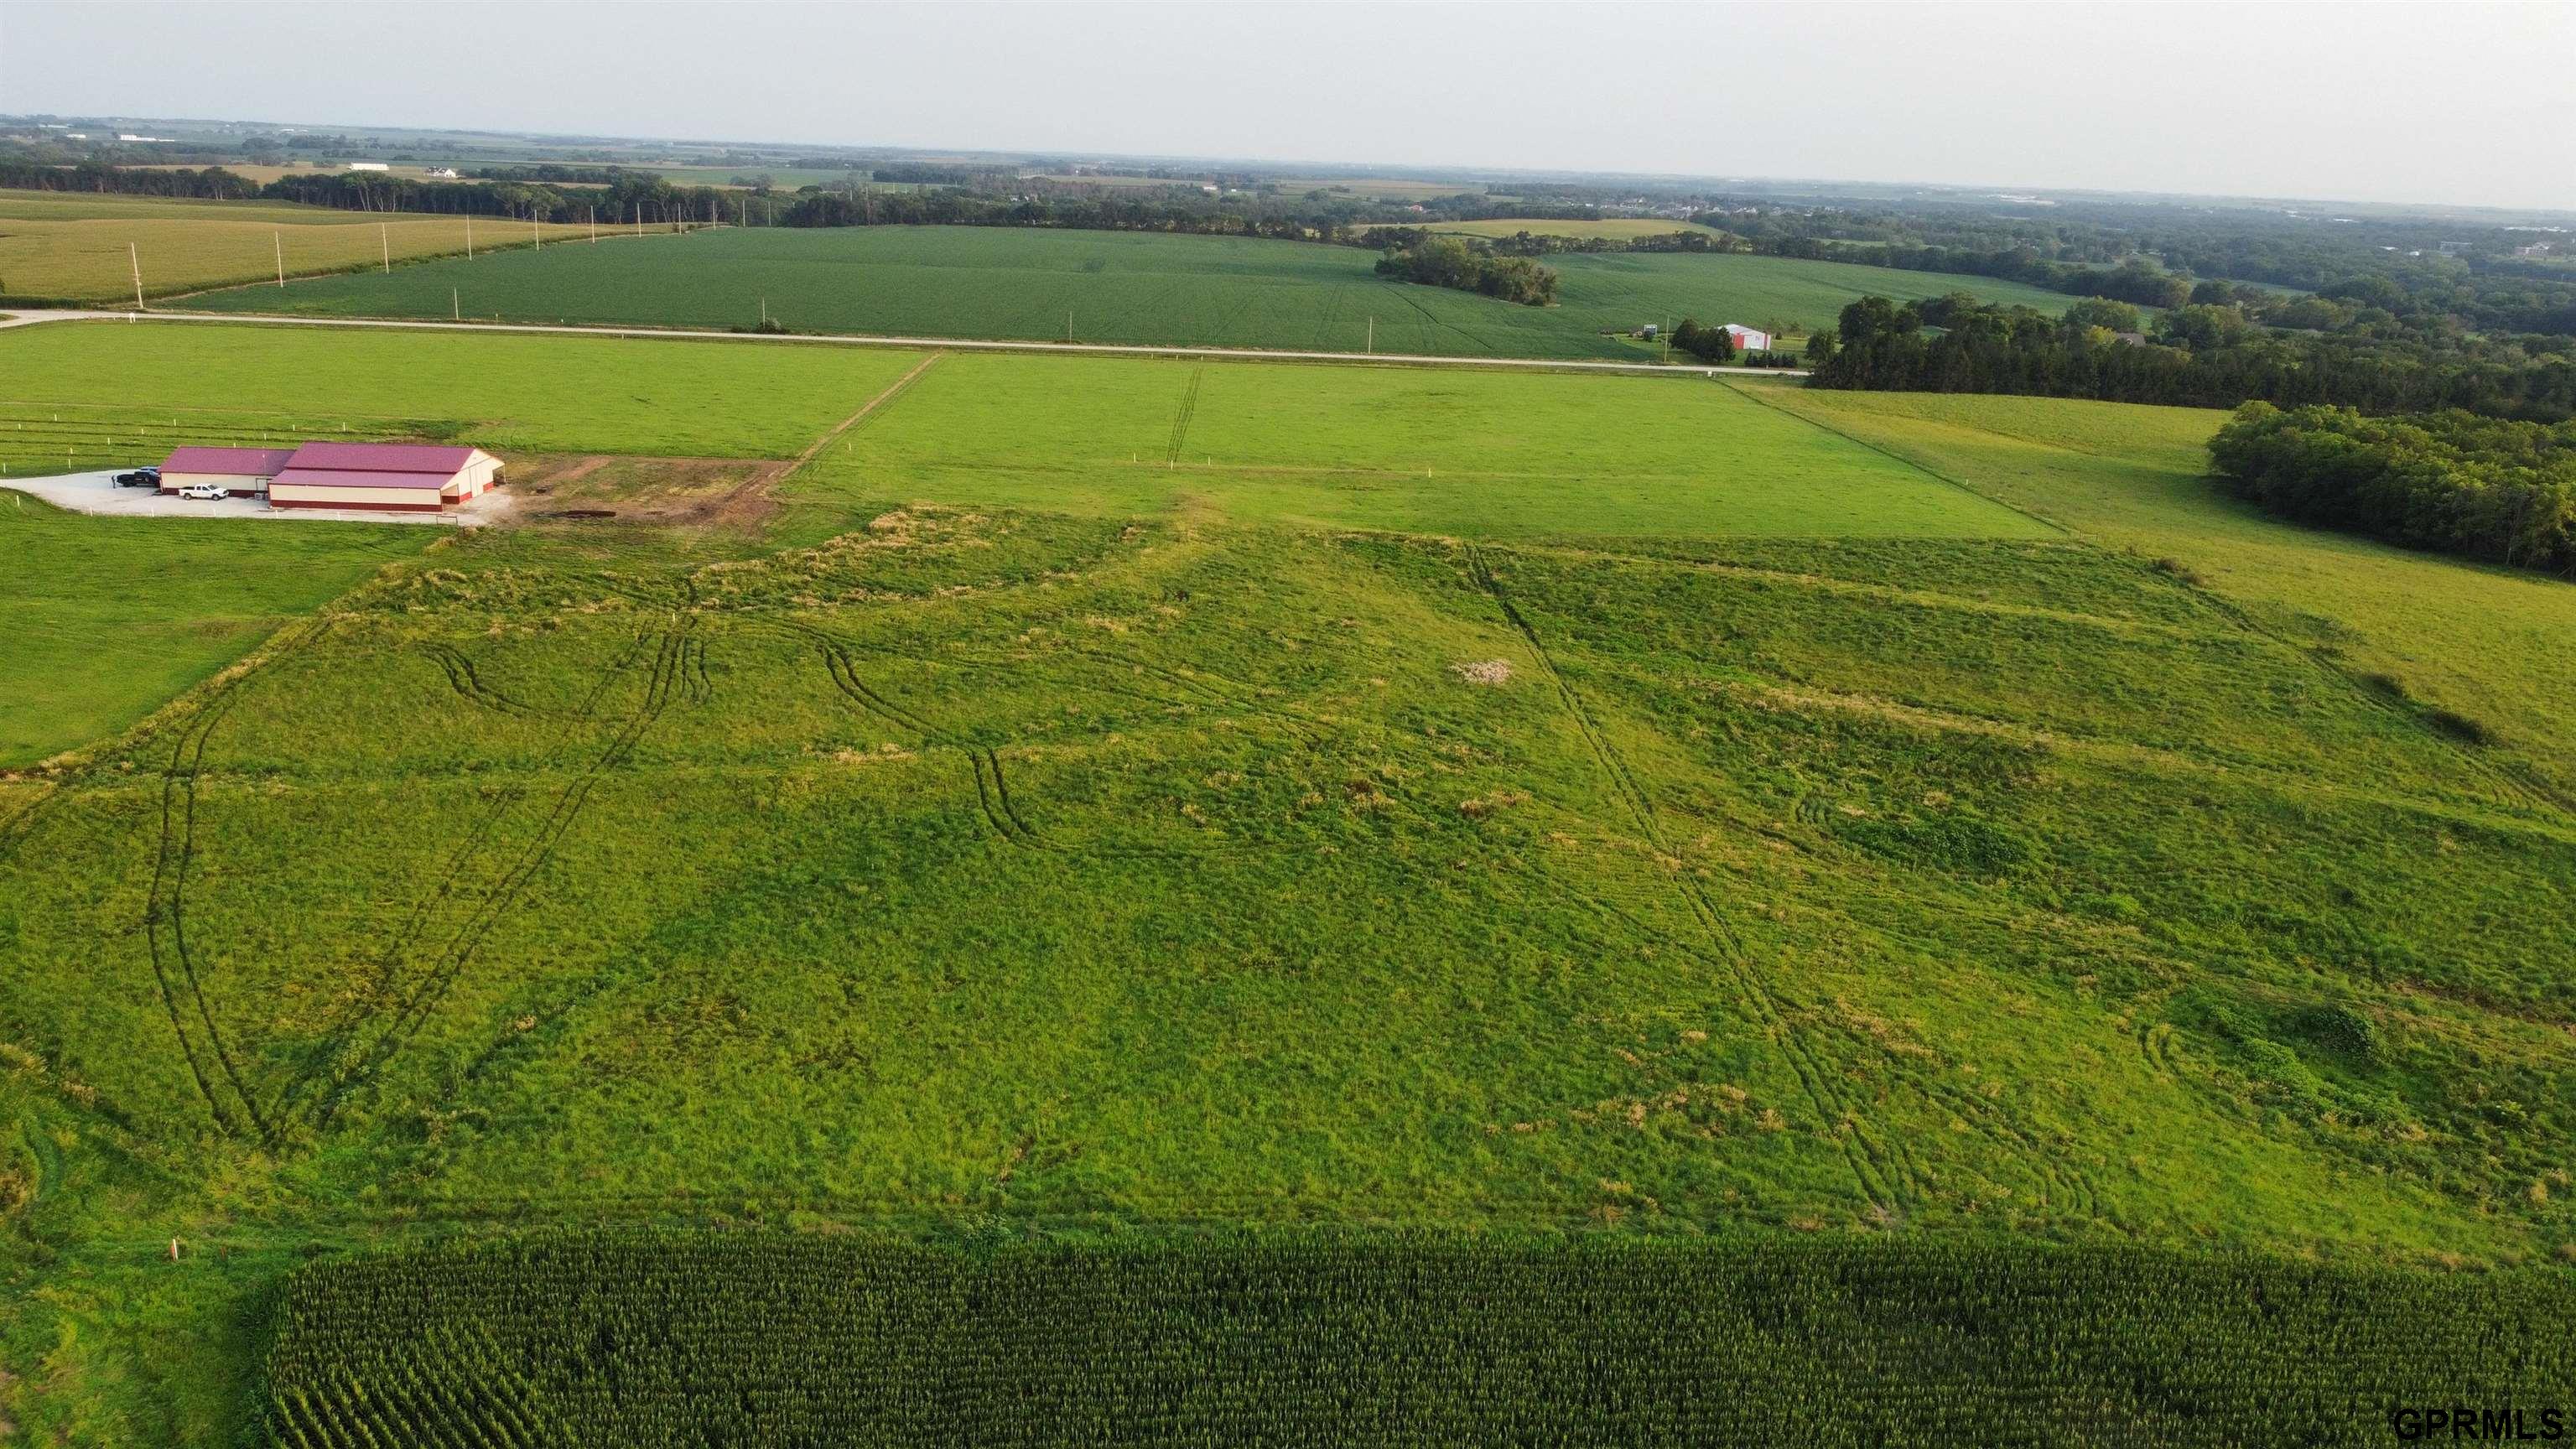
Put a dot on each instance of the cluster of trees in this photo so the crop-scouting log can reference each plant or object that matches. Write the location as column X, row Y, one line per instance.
column 2486, row 488
column 1533, row 244
column 1083, row 209
column 1708, row 344
column 1448, row 261
column 2197, row 355
column 2135, row 279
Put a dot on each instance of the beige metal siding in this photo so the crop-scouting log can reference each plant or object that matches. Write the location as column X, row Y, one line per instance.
column 353, row 497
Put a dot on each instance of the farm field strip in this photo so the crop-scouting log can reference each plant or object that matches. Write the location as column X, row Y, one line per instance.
column 51, row 263
column 1121, row 288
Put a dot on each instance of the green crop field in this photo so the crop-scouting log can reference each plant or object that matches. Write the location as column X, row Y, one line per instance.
column 1158, row 818
column 60, row 249
column 1607, row 1342
column 1118, row 287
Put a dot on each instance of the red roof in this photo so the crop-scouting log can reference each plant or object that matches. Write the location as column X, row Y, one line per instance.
column 352, row 478
column 241, row 462
column 383, row 458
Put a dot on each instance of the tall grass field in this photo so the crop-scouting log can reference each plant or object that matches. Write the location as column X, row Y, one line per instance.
column 61, row 249
column 1773, row 869
column 1020, row 283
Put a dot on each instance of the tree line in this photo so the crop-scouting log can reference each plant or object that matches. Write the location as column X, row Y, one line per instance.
column 627, row 196
column 2196, row 355
column 2484, row 488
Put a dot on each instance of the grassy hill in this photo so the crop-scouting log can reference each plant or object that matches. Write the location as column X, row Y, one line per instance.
column 1123, row 287
column 1131, row 802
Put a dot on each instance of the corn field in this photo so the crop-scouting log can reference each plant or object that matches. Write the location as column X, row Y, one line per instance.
column 644, row 1340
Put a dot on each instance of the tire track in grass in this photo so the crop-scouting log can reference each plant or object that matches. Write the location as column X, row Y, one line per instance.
column 415, row 1009
column 339, row 1037
column 992, row 784
column 174, row 968
column 992, row 796
column 1869, row 1162
column 1181, row 419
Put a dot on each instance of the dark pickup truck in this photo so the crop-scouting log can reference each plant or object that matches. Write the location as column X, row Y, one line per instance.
column 140, row 478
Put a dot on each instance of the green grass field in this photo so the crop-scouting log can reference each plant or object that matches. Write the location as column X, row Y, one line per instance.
column 1119, row 287
column 1401, row 449
column 179, row 382
column 109, row 619
column 1117, row 802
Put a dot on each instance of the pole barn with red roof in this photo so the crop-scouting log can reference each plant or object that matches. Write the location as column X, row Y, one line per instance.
column 385, row 477
column 242, row 470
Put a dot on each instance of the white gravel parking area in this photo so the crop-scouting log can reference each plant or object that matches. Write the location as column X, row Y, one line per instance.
column 98, row 493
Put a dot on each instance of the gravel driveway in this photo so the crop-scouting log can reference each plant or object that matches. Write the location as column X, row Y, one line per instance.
column 98, row 493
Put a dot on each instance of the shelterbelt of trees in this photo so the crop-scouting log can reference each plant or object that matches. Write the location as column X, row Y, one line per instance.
column 1448, row 261
column 2200, row 355
column 2484, row 488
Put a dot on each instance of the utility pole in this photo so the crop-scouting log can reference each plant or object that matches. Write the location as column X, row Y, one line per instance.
column 135, row 259
column 764, row 311
column 639, row 218
column 534, row 233
column 1068, row 324
column 280, row 239
column 455, row 309
column 385, row 238
column 594, row 226
column 469, row 236
column 1372, row 342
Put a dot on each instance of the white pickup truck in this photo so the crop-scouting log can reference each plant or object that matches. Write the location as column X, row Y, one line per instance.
column 204, row 491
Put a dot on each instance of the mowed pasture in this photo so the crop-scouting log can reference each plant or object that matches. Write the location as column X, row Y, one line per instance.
column 61, row 250
column 1404, row 449
column 111, row 618
column 515, row 394
column 1028, row 832
column 1149, row 289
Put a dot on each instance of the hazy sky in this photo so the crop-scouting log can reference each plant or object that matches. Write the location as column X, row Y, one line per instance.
column 2427, row 102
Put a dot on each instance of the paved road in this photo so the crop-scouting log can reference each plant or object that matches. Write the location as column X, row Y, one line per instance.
column 955, row 344
column 98, row 493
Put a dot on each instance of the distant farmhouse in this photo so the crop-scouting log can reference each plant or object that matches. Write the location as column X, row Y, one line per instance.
column 378, row 477
column 2535, row 249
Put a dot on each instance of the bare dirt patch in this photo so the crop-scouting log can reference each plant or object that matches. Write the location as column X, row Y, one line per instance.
column 693, row 492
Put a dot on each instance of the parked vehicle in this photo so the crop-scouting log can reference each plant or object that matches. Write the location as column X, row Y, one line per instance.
column 140, row 478
column 204, row 491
